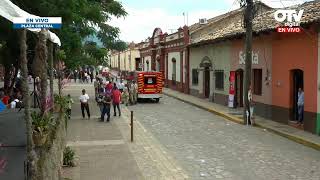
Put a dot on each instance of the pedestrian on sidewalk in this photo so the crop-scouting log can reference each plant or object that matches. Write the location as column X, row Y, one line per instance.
column 251, row 108
column 70, row 102
column 116, row 99
column 91, row 77
column 96, row 87
column 135, row 92
column 84, row 101
column 106, row 107
column 109, row 88
column 125, row 96
column 100, row 103
column 131, row 92
column 300, row 106
column 4, row 98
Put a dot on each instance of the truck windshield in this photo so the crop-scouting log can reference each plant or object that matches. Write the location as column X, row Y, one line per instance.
column 150, row 80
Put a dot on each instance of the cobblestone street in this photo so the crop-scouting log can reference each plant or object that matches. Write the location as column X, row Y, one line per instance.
column 208, row 147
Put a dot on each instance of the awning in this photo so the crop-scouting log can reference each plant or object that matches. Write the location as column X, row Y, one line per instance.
column 9, row 11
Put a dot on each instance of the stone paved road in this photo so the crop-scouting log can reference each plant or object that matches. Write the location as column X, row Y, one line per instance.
column 209, row 147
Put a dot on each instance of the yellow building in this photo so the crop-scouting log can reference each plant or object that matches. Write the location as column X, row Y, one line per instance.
column 127, row 60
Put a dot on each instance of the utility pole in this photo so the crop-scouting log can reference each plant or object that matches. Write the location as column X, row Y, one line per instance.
column 248, row 60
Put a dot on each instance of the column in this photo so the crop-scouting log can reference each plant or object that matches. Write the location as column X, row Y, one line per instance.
column 212, row 85
column 200, row 83
column 181, row 72
column 318, row 92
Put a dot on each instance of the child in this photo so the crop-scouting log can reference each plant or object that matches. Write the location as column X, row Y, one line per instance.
column 70, row 102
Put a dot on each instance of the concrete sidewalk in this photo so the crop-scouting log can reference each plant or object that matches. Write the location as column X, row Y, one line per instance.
column 101, row 151
column 104, row 151
column 287, row 131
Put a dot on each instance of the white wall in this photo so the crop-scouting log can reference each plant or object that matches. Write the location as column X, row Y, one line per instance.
column 220, row 55
column 184, row 66
column 175, row 55
column 318, row 73
column 147, row 58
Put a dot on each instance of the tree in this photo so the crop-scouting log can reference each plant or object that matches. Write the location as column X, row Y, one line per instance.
column 61, row 56
column 96, row 54
column 9, row 54
column 31, row 155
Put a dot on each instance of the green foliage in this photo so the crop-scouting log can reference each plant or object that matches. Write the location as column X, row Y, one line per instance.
column 95, row 54
column 41, row 123
column 61, row 55
column 61, row 101
column 80, row 19
column 68, row 157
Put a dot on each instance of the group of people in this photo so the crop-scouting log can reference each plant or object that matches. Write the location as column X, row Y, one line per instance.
column 11, row 101
column 109, row 94
column 83, row 76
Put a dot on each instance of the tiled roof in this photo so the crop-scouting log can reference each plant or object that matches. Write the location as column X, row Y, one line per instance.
column 262, row 23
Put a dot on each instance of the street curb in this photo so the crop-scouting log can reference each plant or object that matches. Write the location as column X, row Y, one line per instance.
column 240, row 121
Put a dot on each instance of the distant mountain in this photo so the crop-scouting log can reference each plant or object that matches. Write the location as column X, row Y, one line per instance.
column 93, row 38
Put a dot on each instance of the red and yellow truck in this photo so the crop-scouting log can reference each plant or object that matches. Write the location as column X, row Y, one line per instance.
column 150, row 84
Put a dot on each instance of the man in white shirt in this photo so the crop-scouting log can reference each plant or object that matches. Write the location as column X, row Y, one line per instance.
column 84, row 100
column 13, row 104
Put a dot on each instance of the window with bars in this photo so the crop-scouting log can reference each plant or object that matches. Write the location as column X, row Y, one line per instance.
column 219, row 74
column 257, row 81
column 195, row 75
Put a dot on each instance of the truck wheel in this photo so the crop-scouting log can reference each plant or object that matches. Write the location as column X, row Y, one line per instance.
column 157, row 100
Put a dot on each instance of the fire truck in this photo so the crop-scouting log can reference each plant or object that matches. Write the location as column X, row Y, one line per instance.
column 150, row 84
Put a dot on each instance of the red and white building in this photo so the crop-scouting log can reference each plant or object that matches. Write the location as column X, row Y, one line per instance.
column 168, row 54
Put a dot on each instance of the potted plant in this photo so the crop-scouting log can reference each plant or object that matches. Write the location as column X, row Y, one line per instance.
column 68, row 157
column 41, row 125
column 60, row 103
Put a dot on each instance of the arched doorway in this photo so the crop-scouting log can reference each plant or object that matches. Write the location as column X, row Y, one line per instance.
column 239, row 88
column 296, row 83
column 206, row 64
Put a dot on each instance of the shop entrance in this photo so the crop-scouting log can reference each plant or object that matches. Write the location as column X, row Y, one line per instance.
column 239, row 88
column 206, row 82
column 297, row 82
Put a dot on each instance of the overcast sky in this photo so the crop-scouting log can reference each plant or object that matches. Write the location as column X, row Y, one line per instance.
column 145, row 15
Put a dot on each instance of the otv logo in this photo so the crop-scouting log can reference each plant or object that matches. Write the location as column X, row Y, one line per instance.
column 293, row 18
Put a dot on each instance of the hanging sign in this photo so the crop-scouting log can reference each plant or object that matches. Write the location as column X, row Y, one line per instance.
column 37, row 22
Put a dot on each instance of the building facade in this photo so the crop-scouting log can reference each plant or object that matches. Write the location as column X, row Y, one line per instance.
column 127, row 60
column 207, row 60
column 281, row 64
column 167, row 53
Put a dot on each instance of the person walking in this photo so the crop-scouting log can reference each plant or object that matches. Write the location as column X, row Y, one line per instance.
column 131, row 91
column 96, row 86
column 106, row 108
column 84, row 98
column 121, row 86
column 75, row 76
column 91, row 77
column 250, row 99
column 300, row 106
column 116, row 99
column 125, row 96
column 70, row 102
column 135, row 92
column 101, row 103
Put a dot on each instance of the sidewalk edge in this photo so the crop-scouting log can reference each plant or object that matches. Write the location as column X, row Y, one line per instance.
column 294, row 138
